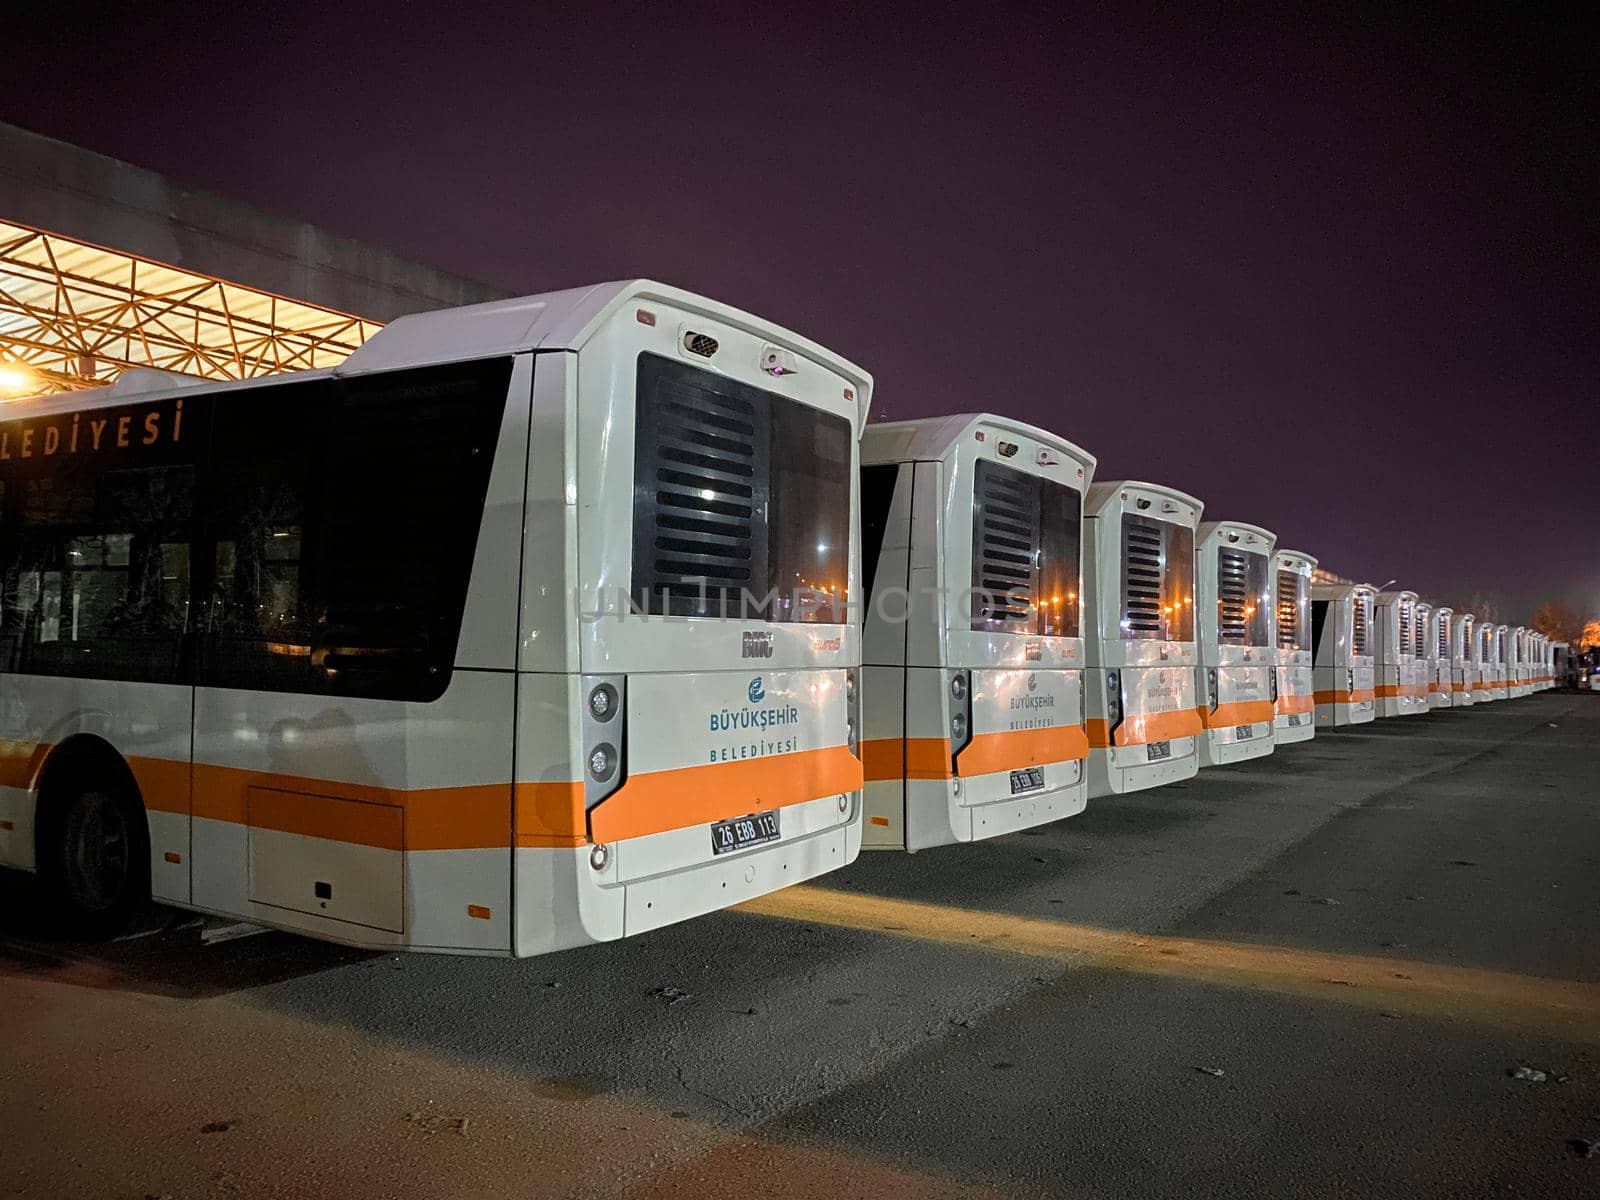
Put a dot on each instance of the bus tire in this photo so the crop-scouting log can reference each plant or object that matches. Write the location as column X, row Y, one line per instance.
column 93, row 855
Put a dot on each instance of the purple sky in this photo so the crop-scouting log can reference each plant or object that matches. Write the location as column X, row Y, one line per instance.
column 1337, row 278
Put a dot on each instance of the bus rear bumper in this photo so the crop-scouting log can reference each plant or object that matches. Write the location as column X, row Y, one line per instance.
column 936, row 816
column 563, row 900
column 1107, row 777
column 1285, row 734
column 1219, row 748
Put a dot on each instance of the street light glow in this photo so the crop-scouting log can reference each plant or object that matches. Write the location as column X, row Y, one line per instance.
column 15, row 380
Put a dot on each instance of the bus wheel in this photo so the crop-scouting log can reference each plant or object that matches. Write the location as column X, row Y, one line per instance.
column 97, row 866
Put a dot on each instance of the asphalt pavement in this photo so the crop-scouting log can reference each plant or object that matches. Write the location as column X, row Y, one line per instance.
column 1314, row 974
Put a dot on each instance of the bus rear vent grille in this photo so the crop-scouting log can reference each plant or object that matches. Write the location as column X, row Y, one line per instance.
column 1361, row 618
column 1233, row 597
column 705, row 479
column 702, row 344
column 1288, row 610
column 1443, row 620
column 1142, row 585
column 1008, row 532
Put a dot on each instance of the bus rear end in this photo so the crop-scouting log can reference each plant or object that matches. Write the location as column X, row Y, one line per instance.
column 1488, row 672
column 1342, row 619
column 1295, row 707
column 1439, row 664
column 973, row 681
column 688, row 703
column 1139, row 563
column 1237, row 680
column 1399, row 682
column 1464, row 667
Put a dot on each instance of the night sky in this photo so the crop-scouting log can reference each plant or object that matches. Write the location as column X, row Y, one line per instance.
column 1335, row 275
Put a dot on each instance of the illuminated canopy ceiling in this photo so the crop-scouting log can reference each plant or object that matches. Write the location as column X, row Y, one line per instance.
column 76, row 315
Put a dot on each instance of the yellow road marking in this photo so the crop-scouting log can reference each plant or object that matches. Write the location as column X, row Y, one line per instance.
column 1554, row 1006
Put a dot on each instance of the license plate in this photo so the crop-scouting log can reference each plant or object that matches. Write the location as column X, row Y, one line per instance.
column 727, row 836
column 1028, row 779
column 1243, row 733
column 1294, row 720
column 1156, row 751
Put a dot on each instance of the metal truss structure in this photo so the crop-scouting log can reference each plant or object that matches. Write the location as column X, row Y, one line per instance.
column 74, row 315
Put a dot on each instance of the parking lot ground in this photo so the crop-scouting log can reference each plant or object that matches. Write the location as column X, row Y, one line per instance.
column 1317, row 973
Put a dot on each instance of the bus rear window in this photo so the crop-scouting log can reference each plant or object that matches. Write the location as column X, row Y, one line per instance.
column 1242, row 604
column 741, row 500
column 1294, row 603
column 1157, row 580
column 1026, row 532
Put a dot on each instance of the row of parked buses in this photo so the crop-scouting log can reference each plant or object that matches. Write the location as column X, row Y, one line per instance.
column 1388, row 654
column 555, row 620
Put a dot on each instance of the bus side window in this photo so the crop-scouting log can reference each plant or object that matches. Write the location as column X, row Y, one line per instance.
column 1319, row 618
column 95, row 559
column 344, row 518
column 877, row 498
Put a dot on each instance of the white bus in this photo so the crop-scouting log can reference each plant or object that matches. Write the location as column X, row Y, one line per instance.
column 1237, row 678
column 1465, row 668
column 449, row 647
column 1400, row 687
column 1341, row 617
column 1296, row 705
column 1520, row 658
column 972, row 688
column 1489, row 678
column 1502, row 658
column 1437, row 656
column 1139, row 622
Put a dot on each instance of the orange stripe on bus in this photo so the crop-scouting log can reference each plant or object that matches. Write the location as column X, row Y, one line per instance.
column 550, row 813
column 1390, row 690
column 472, row 817
column 354, row 822
column 1359, row 696
column 928, row 758
column 1296, row 704
column 658, row 801
column 20, row 762
column 486, row 816
column 906, row 758
column 163, row 783
column 1240, row 712
column 987, row 753
column 883, row 758
column 1142, row 728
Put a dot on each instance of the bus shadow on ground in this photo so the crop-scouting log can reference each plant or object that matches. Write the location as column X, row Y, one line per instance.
column 163, row 956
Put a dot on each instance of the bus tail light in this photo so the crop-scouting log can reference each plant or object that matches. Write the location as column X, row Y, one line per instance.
column 605, row 736
column 852, row 720
column 960, row 712
column 1113, row 700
